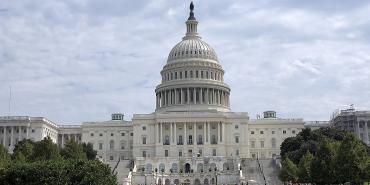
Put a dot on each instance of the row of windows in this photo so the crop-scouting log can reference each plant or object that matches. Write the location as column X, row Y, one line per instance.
column 182, row 53
column 111, row 145
column 112, row 134
column 273, row 132
column 192, row 74
column 190, row 153
column 262, row 143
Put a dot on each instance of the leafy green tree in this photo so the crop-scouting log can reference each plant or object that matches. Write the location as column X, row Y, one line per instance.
column 304, row 168
column 5, row 158
column 45, row 150
column 289, row 171
column 73, row 150
column 322, row 168
column 58, row 172
column 89, row 150
column 352, row 161
column 23, row 150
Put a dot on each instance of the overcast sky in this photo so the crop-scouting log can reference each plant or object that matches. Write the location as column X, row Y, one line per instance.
column 73, row 61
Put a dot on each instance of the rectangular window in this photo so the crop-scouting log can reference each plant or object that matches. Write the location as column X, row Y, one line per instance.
column 144, row 140
column 262, row 144
column 144, row 153
column 237, row 152
column 284, row 131
column 272, row 132
column 252, row 132
column 180, row 153
column 166, row 153
column 236, row 139
column 201, row 74
column 175, row 75
column 111, row 158
column 186, row 74
column 293, row 131
column 100, row 146
column 253, row 144
column 191, row 74
column 122, row 146
column 261, row 132
column 214, row 152
column 180, row 74
column 196, row 74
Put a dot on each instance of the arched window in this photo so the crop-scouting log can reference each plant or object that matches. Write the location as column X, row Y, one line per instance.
column 180, row 140
column 166, row 140
column 200, row 140
column 162, row 167
column 149, row 168
column 111, row 144
column 174, row 168
column 214, row 141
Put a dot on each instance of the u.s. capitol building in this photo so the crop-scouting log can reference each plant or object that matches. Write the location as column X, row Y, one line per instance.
column 192, row 137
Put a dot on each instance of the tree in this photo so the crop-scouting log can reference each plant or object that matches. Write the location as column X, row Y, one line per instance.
column 23, row 150
column 304, row 168
column 5, row 158
column 73, row 150
column 60, row 172
column 322, row 168
column 289, row 171
column 352, row 161
column 89, row 150
column 45, row 150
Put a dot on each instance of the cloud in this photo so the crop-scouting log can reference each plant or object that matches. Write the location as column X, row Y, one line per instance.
column 75, row 61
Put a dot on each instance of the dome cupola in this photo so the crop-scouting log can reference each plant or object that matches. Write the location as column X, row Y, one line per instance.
column 192, row 46
column 192, row 79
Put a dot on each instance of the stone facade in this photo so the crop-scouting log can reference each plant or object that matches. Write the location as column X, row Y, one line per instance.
column 357, row 122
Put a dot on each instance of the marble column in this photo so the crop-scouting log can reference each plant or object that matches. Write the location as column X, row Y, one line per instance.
column 160, row 133
column 182, row 96
column 62, row 140
column 176, row 101
column 175, row 133
column 223, row 133
column 358, row 129
column 188, row 95
column 201, row 95
column 27, row 130
column 194, row 133
column 204, row 133
column 213, row 96
column 185, row 136
column 12, row 137
column 19, row 133
column 195, row 95
column 209, row 132
column 219, row 132
column 207, row 96
column 170, row 97
column 171, row 136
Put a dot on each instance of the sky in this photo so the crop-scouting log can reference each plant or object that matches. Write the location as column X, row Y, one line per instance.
column 75, row 61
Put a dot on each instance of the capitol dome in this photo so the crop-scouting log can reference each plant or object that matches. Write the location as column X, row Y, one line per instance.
column 192, row 48
column 193, row 78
